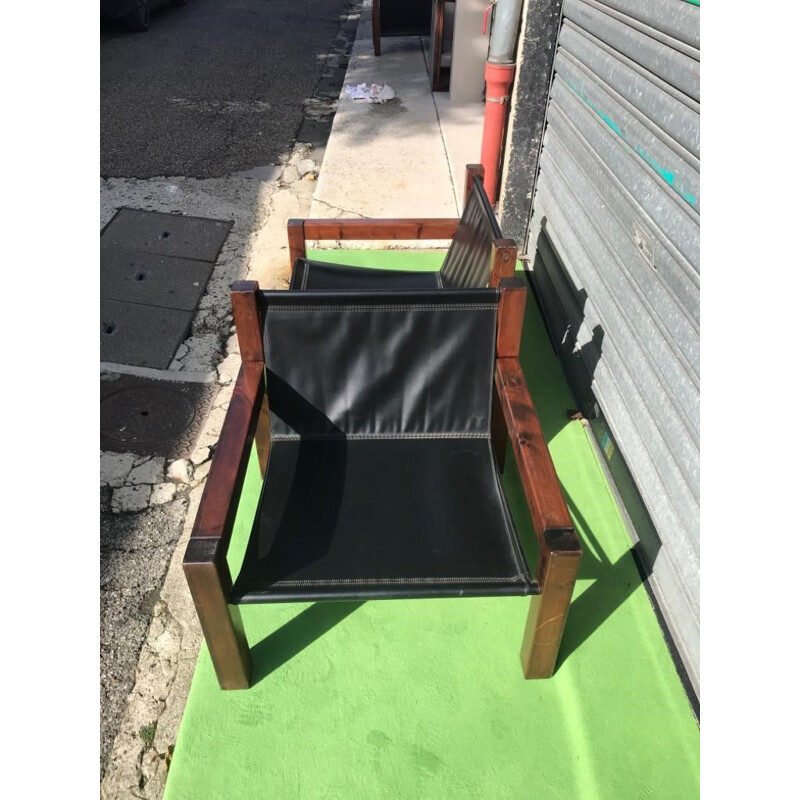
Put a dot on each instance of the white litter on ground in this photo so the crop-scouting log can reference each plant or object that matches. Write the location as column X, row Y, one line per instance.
column 375, row 93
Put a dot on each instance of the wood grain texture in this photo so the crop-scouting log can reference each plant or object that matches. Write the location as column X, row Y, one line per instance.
column 431, row 228
column 204, row 562
column 504, row 260
column 438, row 84
column 295, row 232
column 537, row 472
column 247, row 320
column 209, row 583
column 560, row 550
column 547, row 616
column 510, row 316
column 217, row 508
column 263, row 437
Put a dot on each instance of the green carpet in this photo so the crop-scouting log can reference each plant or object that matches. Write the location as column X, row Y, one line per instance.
column 425, row 698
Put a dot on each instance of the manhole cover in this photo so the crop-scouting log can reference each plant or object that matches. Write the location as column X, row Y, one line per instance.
column 141, row 415
column 146, row 414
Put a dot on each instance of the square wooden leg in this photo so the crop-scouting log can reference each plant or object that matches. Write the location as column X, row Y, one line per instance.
column 558, row 570
column 209, row 583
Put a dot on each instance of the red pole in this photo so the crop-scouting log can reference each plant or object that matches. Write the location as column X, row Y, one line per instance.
column 499, row 78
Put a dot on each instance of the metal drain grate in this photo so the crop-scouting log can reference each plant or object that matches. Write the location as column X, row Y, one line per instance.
column 140, row 335
column 152, row 279
column 166, row 234
column 154, row 269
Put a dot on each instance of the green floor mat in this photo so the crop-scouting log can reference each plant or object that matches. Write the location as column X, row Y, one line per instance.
column 408, row 699
column 403, row 260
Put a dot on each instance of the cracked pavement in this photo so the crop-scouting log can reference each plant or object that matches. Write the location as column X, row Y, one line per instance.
column 212, row 88
column 149, row 631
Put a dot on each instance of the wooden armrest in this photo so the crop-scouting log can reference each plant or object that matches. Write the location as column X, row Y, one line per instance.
column 217, row 509
column 301, row 230
column 537, row 472
column 560, row 547
column 433, row 228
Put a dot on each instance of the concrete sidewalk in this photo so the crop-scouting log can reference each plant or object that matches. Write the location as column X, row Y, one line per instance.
column 402, row 158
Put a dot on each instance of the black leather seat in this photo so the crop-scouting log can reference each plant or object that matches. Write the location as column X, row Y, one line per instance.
column 381, row 480
column 381, row 518
column 318, row 275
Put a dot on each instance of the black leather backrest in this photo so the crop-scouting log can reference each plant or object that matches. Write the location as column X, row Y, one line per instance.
column 400, row 363
column 405, row 17
column 468, row 261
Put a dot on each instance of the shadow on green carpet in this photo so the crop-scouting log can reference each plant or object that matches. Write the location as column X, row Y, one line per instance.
column 297, row 634
column 424, row 699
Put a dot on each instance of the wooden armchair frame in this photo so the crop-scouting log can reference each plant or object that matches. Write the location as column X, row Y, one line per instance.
column 300, row 231
column 247, row 420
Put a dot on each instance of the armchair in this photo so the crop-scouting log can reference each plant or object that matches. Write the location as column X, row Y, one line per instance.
column 380, row 420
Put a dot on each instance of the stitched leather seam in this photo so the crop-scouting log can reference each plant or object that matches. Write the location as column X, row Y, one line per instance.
column 390, row 581
column 295, row 437
column 339, row 309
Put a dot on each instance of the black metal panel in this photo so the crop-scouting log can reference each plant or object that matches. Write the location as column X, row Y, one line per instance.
column 166, row 234
column 154, row 269
column 142, row 336
column 153, row 279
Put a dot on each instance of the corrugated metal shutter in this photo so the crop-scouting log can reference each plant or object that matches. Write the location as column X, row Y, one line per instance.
column 616, row 231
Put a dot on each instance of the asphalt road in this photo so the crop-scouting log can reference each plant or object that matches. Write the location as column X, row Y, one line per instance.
column 212, row 88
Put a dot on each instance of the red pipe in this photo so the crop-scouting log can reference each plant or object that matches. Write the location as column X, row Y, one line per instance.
column 499, row 78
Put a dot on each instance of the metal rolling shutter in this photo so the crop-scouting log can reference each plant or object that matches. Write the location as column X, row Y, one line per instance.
column 616, row 233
